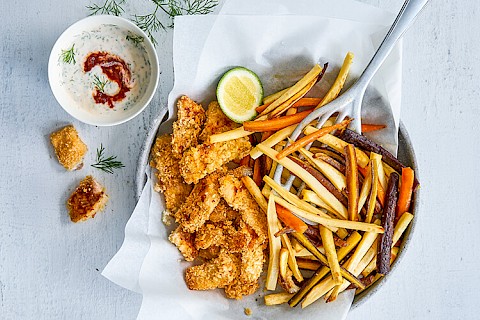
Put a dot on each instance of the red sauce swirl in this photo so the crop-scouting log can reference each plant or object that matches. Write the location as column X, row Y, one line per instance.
column 115, row 69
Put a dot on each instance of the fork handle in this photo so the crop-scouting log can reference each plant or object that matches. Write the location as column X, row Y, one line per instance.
column 405, row 18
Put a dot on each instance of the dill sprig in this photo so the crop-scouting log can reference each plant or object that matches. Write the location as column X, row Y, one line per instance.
column 152, row 22
column 106, row 164
column 149, row 23
column 68, row 56
column 136, row 39
column 112, row 7
column 99, row 84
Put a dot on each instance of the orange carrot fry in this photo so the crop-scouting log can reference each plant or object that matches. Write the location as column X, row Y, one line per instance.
column 352, row 182
column 259, row 109
column 290, row 220
column 307, row 102
column 275, row 124
column 406, row 188
column 300, row 143
column 372, row 127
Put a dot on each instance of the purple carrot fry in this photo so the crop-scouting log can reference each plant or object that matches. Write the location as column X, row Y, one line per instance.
column 385, row 239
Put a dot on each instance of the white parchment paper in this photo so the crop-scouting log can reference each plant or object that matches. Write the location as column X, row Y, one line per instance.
column 280, row 47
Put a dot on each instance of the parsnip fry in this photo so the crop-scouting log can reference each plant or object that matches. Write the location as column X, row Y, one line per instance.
column 310, row 247
column 274, row 96
column 310, row 196
column 277, row 298
column 401, row 226
column 313, row 183
column 386, row 240
column 352, row 241
column 330, row 222
column 339, row 81
column 292, row 261
column 229, row 135
column 255, row 192
column 297, row 96
column 381, row 174
column 308, row 264
column 302, row 142
column 329, row 246
column 273, row 140
column 312, row 74
column 338, row 145
column 335, row 176
column 373, row 191
column 362, row 248
column 283, row 262
column 274, row 245
column 324, row 181
column 352, row 182
column 362, row 264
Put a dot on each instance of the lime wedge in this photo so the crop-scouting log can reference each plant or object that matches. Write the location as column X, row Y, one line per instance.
column 239, row 92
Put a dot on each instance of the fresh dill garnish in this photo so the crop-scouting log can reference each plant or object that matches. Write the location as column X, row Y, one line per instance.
column 112, row 7
column 155, row 20
column 99, row 84
column 106, row 164
column 136, row 39
column 68, row 56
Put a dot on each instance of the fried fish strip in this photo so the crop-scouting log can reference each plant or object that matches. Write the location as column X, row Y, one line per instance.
column 184, row 242
column 201, row 202
column 170, row 182
column 205, row 158
column 188, row 125
column 216, row 273
column 216, row 122
column 199, row 161
column 237, row 196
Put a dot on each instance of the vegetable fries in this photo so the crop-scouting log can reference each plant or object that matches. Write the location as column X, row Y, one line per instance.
column 354, row 193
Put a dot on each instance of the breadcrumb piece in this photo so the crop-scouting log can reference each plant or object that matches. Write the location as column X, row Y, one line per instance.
column 87, row 199
column 69, row 148
column 247, row 311
column 188, row 125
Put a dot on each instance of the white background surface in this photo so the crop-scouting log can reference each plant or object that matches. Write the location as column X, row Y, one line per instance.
column 49, row 267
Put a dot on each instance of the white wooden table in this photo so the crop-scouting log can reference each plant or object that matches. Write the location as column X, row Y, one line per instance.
column 50, row 267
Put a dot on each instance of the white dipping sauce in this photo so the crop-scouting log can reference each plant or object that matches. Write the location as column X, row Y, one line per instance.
column 82, row 86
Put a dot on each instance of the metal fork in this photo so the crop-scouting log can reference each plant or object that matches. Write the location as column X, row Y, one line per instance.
column 350, row 102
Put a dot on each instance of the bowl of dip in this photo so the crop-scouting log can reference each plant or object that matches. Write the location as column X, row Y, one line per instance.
column 103, row 70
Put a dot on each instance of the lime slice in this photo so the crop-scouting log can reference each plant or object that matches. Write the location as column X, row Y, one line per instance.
column 239, row 92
